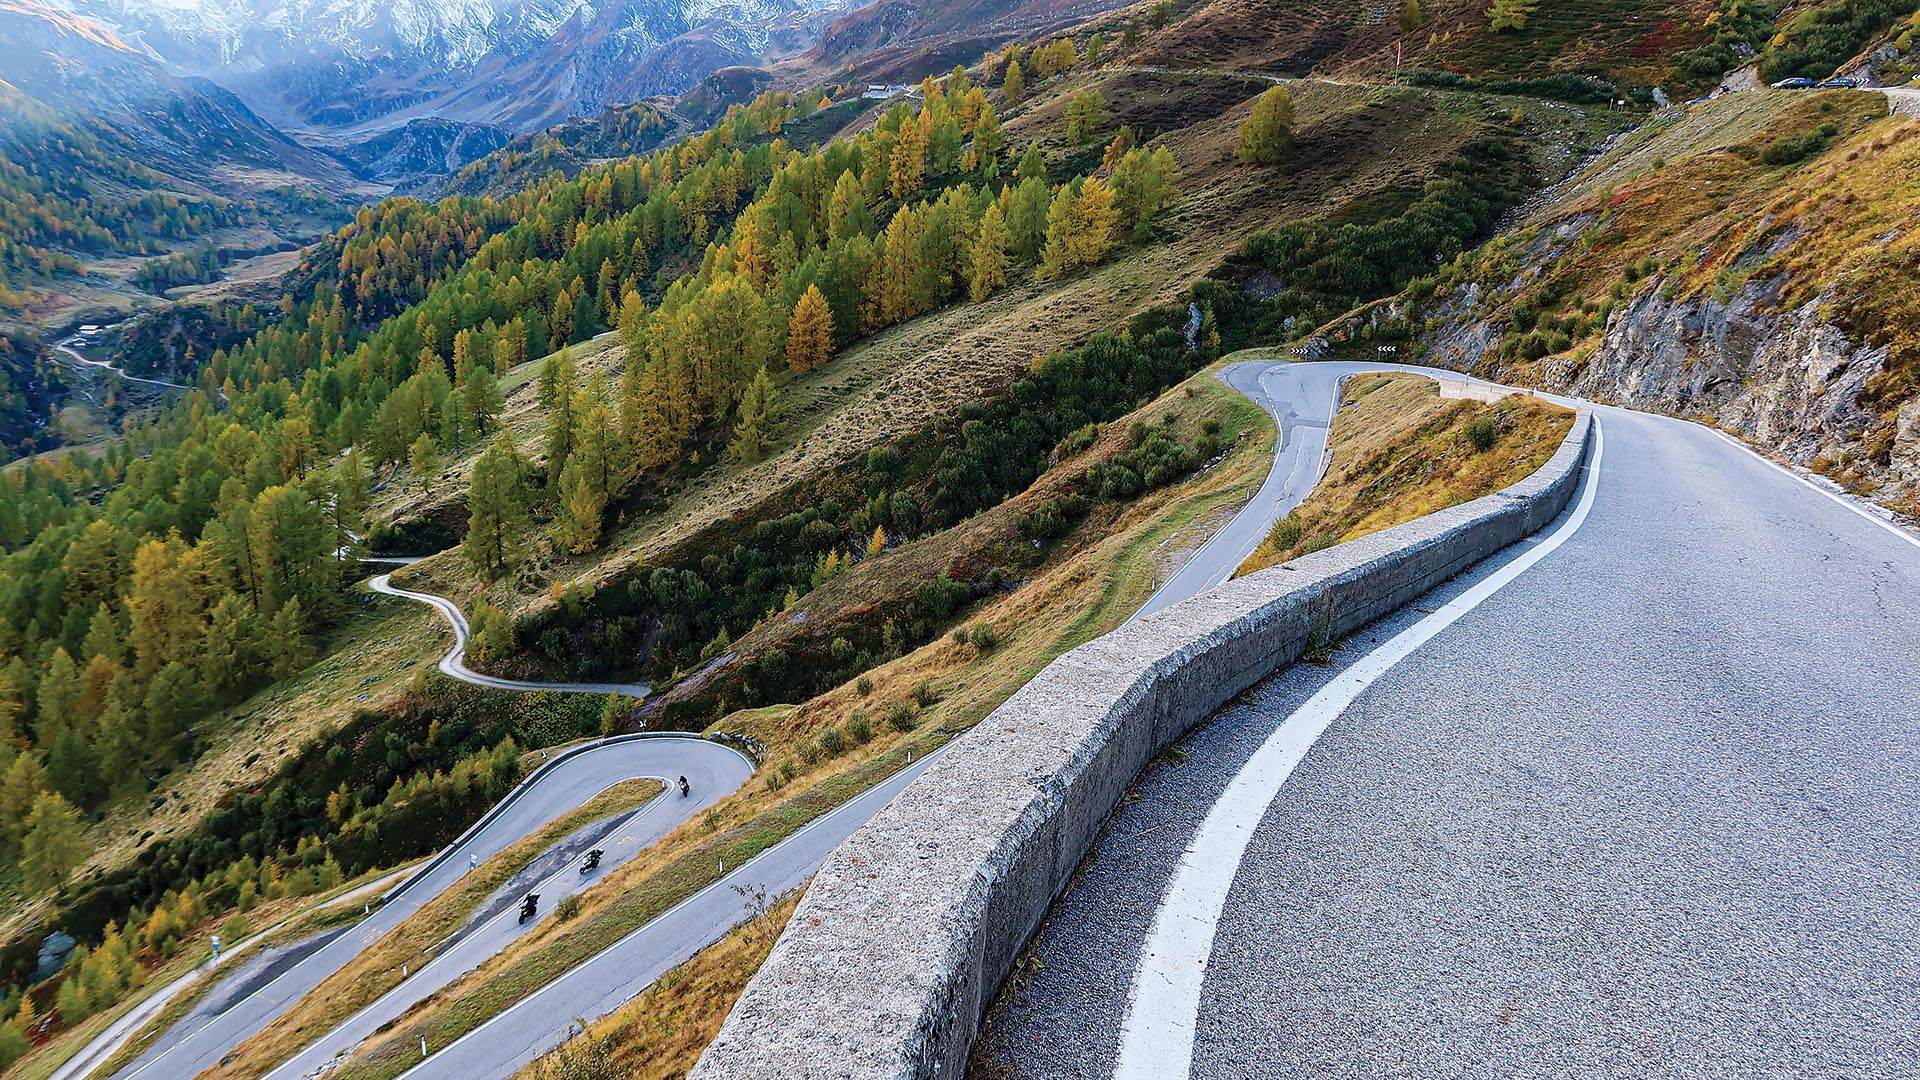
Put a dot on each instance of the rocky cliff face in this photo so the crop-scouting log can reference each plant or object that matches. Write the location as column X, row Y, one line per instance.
column 1785, row 378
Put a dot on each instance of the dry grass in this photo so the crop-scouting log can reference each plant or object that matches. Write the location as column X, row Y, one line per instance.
column 662, row 1031
column 1401, row 451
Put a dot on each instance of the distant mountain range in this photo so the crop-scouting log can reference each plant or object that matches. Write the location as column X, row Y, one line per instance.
column 334, row 72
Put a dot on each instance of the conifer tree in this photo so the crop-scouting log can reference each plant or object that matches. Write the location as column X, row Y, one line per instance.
column 988, row 142
column 1266, row 135
column 293, row 648
column 57, row 707
column 496, row 511
column 1015, row 86
column 901, row 280
column 1086, row 115
column 483, row 401
column 1510, row 14
column 25, row 779
column 907, row 167
column 73, row 769
column 582, row 503
column 53, row 845
column 561, row 411
column 809, row 331
column 424, row 459
column 987, row 265
column 755, row 427
column 1027, row 214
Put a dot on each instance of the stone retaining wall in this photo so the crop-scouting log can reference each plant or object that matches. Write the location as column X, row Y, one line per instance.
column 909, row 928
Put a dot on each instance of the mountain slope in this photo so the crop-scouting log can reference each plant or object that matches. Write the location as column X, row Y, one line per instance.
column 1744, row 263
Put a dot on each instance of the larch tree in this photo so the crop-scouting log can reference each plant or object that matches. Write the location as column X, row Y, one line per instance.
column 847, row 214
column 484, row 402
column 53, row 845
column 901, row 280
column 423, row 457
column 1027, row 210
column 756, row 425
column 496, row 511
column 907, row 167
column 1507, row 15
column 1015, row 86
column 561, row 419
column 1086, row 115
column 1266, row 135
column 809, row 331
column 987, row 262
column 583, row 504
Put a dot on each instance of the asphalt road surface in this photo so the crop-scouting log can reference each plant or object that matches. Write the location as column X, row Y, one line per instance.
column 544, row 1019
column 1640, row 798
column 1302, row 399
column 454, row 663
column 246, row 1001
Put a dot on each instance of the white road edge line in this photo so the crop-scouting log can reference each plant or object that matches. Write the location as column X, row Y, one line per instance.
column 1163, row 1006
column 1893, row 527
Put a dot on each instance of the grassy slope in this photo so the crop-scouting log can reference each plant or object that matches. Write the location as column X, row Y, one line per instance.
column 1400, row 451
column 1629, row 41
column 1354, row 141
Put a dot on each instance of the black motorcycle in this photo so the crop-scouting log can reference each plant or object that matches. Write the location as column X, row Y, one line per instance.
column 593, row 861
column 528, row 906
column 684, row 787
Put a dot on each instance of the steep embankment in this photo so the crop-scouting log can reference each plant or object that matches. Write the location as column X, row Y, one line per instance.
column 1741, row 262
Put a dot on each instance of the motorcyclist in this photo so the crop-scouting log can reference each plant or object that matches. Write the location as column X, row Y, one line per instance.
column 684, row 787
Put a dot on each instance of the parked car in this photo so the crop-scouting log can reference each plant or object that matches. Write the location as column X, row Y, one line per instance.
column 1839, row 84
column 1794, row 84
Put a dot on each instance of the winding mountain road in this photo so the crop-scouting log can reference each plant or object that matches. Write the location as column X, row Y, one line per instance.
column 102, row 365
column 1636, row 797
column 1301, row 397
column 251, row 997
column 454, row 663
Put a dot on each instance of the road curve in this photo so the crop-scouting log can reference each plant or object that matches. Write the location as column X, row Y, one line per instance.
column 104, row 366
column 454, row 663
column 1302, row 399
column 247, row 1000
column 1644, row 807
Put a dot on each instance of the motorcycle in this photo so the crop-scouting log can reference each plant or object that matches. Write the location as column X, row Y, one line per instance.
column 684, row 787
column 528, row 906
column 593, row 861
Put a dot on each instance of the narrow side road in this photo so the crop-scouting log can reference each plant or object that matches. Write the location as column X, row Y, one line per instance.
column 250, row 998
column 454, row 663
